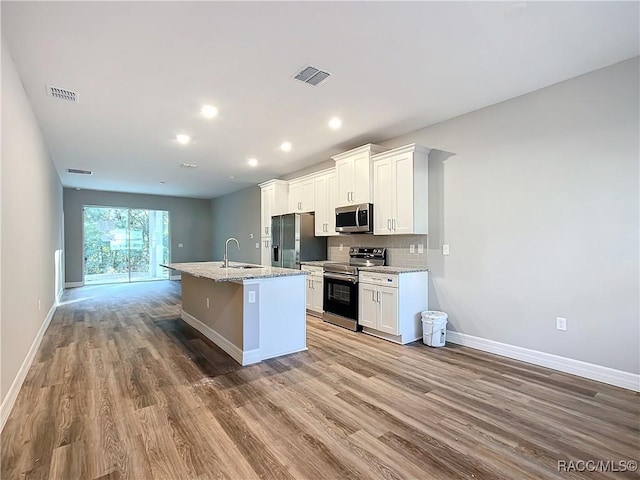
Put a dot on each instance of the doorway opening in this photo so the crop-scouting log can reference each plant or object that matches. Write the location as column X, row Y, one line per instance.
column 122, row 245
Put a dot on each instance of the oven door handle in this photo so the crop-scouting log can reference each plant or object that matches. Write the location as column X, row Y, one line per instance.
column 344, row 278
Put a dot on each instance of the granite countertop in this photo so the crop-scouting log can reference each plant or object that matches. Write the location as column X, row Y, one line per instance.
column 317, row 263
column 214, row 271
column 393, row 270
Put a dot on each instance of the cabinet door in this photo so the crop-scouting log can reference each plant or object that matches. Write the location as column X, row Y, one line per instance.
column 382, row 197
column 403, row 193
column 265, row 252
column 368, row 305
column 388, row 313
column 266, row 201
column 307, row 196
column 332, row 203
column 322, row 206
column 309, row 299
column 318, row 294
column 295, row 197
column 361, row 192
column 344, row 171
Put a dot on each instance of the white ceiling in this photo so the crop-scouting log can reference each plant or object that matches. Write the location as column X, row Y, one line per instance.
column 143, row 69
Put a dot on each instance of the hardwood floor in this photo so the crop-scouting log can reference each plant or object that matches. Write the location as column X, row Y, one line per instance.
column 122, row 388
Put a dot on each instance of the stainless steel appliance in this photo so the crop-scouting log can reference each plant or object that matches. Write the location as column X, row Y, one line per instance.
column 340, row 303
column 355, row 218
column 293, row 240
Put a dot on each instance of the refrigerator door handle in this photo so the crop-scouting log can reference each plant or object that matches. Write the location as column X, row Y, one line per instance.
column 275, row 253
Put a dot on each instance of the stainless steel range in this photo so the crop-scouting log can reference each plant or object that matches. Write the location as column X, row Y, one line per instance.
column 341, row 285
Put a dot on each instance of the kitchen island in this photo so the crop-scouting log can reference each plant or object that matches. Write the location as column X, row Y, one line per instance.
column 251, row 312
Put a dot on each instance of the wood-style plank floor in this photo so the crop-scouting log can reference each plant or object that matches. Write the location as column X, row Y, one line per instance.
column 122, row 388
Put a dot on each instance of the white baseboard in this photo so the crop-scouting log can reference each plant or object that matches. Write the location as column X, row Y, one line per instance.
column 175, row 277
column 215, row 337
column 59, row 296
column 12, row 394
column 73, row 284
column 618, row 378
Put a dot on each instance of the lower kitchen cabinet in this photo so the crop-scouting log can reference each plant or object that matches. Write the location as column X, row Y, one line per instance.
column 315, row 289
column 391, row 305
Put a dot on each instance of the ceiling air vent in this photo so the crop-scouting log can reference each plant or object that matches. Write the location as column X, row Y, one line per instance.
column 79, row 172
column 63, row 94
column 311, row 75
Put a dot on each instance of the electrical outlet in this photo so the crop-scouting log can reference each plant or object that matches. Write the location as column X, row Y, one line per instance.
column 445, row 249
column 561, row 324
column 180, row 245
column 257, row 244
column 207, row 302
column 420, row 248
column 341, row 246
column 39, row 305
column 412, row 249
column 252, row 297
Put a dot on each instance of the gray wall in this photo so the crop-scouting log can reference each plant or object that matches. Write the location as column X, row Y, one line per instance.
column 539, row 205
column 538, row 199
column 237, row 215
column 31, row 226
column 189, row 224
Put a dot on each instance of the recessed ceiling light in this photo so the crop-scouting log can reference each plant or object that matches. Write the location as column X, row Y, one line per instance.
column 231, row 177
column 188, row 165
column 252, row 162
column 183, row 139
column 286, row 146
column 209, row 111
column 335, row 123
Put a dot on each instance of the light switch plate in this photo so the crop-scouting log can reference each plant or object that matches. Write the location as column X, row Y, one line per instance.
column 257, row 244
column 252, row 297
column 420, row 248
column 180, row 245
column 412, row 249
column 445, row 249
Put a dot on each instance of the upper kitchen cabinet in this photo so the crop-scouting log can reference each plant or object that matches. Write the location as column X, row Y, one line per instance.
column 400, row 191
column 302, row 194
column 326, row 197
column 273, row 201
column 353, row 169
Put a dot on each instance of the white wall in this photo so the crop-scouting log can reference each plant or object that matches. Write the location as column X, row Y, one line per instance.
column 31, row 230
column 539, row 204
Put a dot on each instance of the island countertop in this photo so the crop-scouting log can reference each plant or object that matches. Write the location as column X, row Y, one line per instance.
column 216, row 272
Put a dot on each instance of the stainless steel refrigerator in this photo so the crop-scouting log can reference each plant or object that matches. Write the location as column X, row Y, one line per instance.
column 294, row 241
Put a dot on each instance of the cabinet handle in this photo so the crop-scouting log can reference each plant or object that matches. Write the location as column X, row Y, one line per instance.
column 378, row 296
column 373, row 295
column 393, row 224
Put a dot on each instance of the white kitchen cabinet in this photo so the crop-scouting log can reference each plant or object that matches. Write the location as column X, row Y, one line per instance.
column 326, row 191
column 400, row 191
column 302, row 195
column 353, row 169
column 273, row 201
column 265, row 251
column 315, row 286
column 390, row 306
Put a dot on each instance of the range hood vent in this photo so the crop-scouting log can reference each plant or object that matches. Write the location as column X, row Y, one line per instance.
column 63, row 94
column 311, row 75
column 79, row 172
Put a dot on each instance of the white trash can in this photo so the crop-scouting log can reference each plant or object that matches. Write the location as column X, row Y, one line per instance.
column 434, row 328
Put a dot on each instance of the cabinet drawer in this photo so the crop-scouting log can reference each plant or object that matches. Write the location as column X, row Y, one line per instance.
column 379, row 279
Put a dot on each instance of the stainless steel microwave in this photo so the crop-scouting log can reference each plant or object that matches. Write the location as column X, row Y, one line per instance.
column 355, row 218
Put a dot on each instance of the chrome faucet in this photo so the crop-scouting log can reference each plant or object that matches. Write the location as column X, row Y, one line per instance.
column 225, row 260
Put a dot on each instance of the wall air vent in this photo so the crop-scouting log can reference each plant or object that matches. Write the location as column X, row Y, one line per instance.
column 311, row 75
column 63, row 94
column 79, row 172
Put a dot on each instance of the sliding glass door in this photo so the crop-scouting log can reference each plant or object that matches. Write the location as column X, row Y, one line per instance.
column 124, row 244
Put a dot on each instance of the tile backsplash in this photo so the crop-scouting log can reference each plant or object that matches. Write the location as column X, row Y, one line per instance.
column 397, row 248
